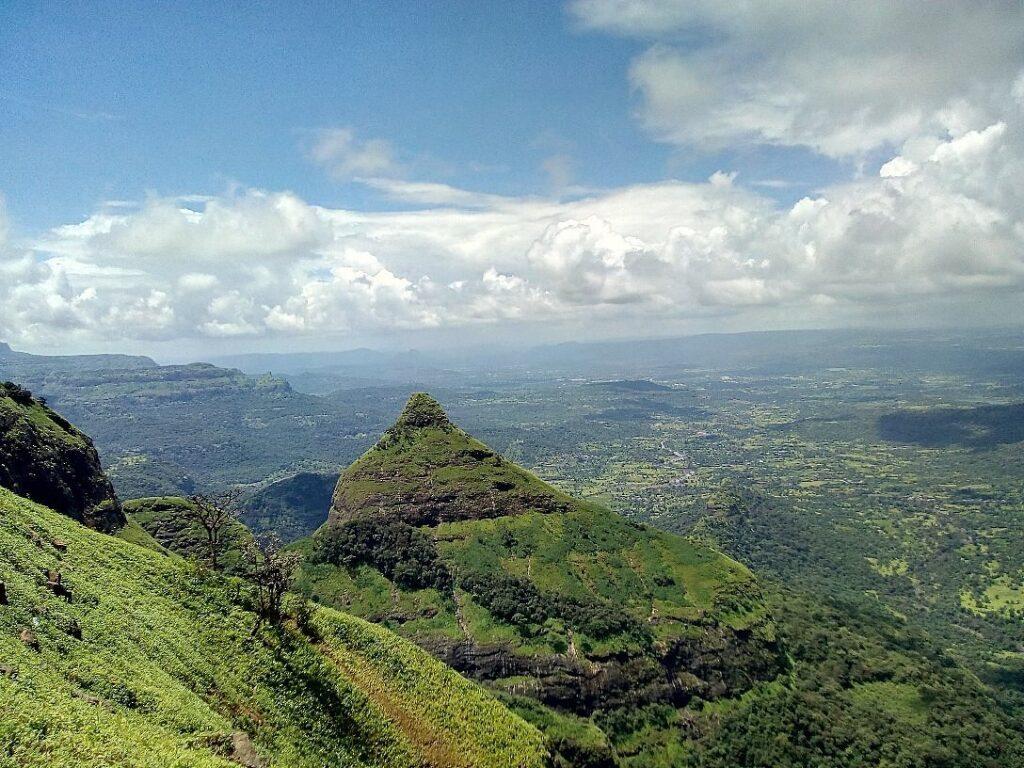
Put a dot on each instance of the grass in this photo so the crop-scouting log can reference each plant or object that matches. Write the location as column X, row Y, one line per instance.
column 168, row 668
column 540, row 575
column 900, row 701
column 44, row 420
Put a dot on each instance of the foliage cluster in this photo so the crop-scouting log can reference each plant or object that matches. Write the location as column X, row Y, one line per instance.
column 404, row 554
column 519, row 602
column 866, row 690
column 172, row 521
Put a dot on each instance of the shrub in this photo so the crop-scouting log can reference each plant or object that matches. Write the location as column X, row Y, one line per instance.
column 400, row 551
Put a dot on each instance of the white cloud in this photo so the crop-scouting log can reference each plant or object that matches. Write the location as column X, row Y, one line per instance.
column 840, row 78
column 344, row 156
column 433, row 193
column 944, row 217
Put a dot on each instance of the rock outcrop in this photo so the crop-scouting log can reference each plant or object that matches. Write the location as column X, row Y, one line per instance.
column 426, row 471
column 46, row 459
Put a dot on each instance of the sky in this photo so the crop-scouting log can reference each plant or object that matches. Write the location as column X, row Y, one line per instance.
column 200, row 178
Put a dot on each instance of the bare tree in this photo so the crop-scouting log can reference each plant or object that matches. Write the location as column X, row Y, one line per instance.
column 215, row 515
column 272, row 570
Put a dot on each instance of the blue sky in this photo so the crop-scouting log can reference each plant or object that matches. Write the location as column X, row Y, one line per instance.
column 105, row 101
column 203, row 176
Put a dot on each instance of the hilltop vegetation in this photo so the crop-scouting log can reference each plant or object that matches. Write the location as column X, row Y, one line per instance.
column 45, row 458
column 425, row 471
column 156, row 663
column 512, row 582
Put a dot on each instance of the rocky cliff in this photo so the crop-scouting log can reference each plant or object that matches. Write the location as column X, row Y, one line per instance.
column 47, row 460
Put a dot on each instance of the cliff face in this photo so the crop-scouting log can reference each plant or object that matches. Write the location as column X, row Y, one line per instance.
column 427, row 471
column 45, row 459
column 535, row 593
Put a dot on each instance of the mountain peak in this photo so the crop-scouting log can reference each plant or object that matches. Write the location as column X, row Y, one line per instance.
column 426, row 471
column 422, row 410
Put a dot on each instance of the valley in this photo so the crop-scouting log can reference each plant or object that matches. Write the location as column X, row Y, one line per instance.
column 869, row 519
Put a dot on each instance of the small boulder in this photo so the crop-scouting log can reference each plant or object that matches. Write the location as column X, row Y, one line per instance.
column 54, row 582
column 29, row 639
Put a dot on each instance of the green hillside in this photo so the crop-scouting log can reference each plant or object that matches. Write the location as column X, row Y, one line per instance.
column 165, row 519
column 292, row 507
column 512, row 582
column 45, row 458
column 153, row 662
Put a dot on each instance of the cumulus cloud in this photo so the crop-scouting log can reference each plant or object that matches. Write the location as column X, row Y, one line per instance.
column 839, row 78
column 943, row 217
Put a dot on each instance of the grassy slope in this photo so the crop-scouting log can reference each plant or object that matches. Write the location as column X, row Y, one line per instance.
column 664, row 581
column 168, row 668
column 165, row 520
column 43, row 419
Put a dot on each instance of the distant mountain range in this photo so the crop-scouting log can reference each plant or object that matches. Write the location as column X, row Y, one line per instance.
column 18, row 364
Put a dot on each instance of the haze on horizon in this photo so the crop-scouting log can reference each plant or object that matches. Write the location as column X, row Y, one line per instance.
column 196, row 181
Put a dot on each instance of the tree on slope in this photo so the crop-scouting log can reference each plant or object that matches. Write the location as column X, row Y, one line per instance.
column 215, row 515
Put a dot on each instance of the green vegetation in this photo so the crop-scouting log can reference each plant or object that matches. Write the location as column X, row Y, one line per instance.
column 168, row 521
column 293, row 507
column 901, row 552
column 425, row 471
column 404, row 554
column 442, row 540
column 154, row 662
column 982, row 426
column 43, row 457
column 865, row 690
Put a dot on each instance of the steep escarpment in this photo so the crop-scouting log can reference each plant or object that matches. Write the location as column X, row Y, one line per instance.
column 542, row 596
column 46, row 459
column 113, row 653
column 427, row 471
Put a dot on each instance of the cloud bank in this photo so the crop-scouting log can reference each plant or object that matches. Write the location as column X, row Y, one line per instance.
column 934, row 90
column 839, row 78
column 941, row 217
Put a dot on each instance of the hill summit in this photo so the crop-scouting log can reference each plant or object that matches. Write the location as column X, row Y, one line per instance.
column 578, row 616
column 425, row 470
column 422, row 410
